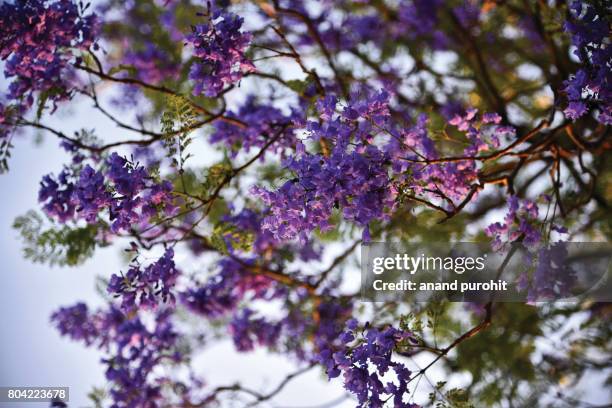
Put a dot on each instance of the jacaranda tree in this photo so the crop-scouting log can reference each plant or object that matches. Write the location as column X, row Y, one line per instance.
column 275, row 136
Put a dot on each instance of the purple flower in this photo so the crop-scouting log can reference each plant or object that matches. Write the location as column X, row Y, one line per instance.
column 247, row 331
column 263, row 122
column 146, row 287
column 36, row 40
column 57, row 196
column 374, row 349
column 576, row 110
column 76, row 323
column 590, row 33
column 133, row 351
column 91, row 194
column 520, row 221
column 124, row 189
column 222, row 292
column 219, row 47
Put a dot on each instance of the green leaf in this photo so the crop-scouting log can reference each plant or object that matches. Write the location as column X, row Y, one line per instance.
column 64, row 246
column 130, row 69
column 298, row 85
column 177, row 123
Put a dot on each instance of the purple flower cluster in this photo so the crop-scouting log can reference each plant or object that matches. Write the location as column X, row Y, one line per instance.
column 481, row 137
column 248, row 331
column 353, row 178
column 354, row 181
column 57, row 196
column 219, row 47
column 90, row 195
column 435, row 181
column 591, row 86
column 332, row 316
column 411, row 20
column 135, row 350
column 139, row 351
column 124, row 188
column 302, row 331
column 419, row 19
column 36, row 40
column 145, row 287
column 363, row 359
column 413, row 147
column 151, row 64
column 224, row 290
column 76, row 323
column 520, row 221
column 263, row 123
column 553, row 276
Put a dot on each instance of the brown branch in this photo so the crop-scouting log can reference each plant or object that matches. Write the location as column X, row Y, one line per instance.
column 487, row 157
column 161, row 89
column 336, row 262
column 314, row 33
column 498, row 102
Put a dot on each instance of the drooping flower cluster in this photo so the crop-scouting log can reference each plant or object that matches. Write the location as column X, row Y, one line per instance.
column 134, row 349
column 125, row 189
column 219, row 48
column 365, row 357
column 146, row 287
column 521, row 221
column 263, row 123
column 36, row 40
column 591, row 86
